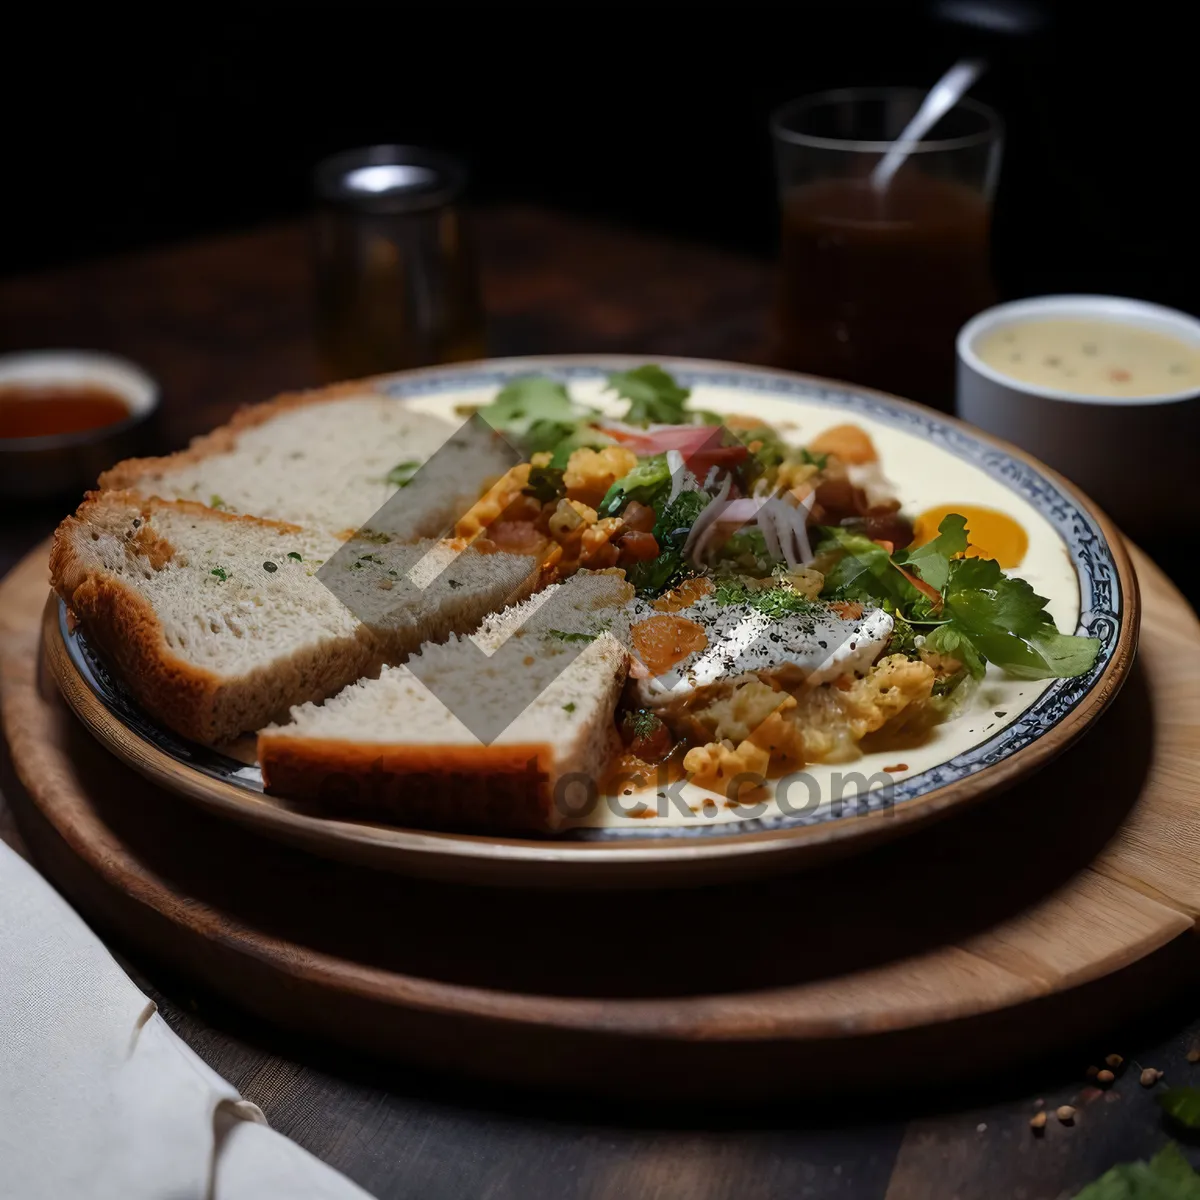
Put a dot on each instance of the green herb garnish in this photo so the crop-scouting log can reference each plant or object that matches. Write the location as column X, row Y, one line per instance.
column 903, row 639
column 979, row 614
column 817, row 460
column 641, row 724
column 746, row 553
column 569, row 707
column 220, row 573
column 767, row 448
column 647, row 483
column 654, row 396
column 1167, row 1176
column 1181, row 1104
column 932, row 561
column 401, row 475
column 215, row 501
column 294, row 556
column 524, row 403
column 545, row 484
column 776, row 602
column 671, row 530
column 563, row 635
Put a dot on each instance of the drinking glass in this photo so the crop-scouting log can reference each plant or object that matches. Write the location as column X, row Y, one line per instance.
column 395, row 270
column 873, row 283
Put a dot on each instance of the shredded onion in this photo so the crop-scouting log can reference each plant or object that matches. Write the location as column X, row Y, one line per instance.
column 677, row 468
column 710, row 513
column 769, row 529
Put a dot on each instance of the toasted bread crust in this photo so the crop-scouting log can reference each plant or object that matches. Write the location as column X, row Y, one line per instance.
column 125, row 627
column 223, row 439
column 191, row 700
column 470, row 788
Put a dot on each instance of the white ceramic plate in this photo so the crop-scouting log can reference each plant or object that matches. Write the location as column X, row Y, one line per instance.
column 1005, row 729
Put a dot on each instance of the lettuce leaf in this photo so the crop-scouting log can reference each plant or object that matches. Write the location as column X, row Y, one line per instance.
column 654, row 396
column 1167, row 1176
column 535, row 404
column 647, row 483
column 932, row 561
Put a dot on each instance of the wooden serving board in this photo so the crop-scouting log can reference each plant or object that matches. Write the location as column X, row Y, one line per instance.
column 1036, row 919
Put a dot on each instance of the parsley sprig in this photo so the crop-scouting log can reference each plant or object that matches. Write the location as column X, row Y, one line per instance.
column 967, row 607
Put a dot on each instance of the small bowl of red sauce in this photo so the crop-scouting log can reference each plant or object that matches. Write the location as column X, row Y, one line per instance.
column 66, row 416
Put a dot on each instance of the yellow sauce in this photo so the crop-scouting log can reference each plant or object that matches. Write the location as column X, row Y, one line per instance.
column 1092, row 357
column 992, row 534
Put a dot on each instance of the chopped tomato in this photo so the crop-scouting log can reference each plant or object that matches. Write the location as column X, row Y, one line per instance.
column 848, row 610
column 661, row 642
column 636, row 546
column 685, row 595
column 638, row 516
column 848, row 442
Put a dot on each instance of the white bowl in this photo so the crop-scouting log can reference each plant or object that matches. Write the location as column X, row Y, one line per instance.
column 1137, row 457
column 33, row 468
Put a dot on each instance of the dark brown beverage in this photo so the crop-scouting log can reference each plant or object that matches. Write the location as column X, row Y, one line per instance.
column 873, row 287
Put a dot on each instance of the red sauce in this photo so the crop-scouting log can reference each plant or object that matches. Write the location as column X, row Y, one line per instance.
column 42, row 410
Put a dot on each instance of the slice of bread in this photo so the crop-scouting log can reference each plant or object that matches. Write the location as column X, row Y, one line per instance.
column 321, row 459
column 416, row 746
column 219, row 623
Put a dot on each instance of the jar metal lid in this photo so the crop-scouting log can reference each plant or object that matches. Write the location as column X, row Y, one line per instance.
column 389, row 179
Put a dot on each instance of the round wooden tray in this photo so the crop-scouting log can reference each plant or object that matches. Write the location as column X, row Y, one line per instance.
column 1036, row 918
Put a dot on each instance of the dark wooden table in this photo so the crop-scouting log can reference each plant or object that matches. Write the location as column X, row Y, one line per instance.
column 226, row 321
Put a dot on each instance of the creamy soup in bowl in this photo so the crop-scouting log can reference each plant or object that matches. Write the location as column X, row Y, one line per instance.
column 1104, row 389
column 1094, row 356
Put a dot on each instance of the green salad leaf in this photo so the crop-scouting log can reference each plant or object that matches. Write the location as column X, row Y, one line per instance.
column 1005, row 621
column 534, row 401
column 671, row 529
column 648, row 482
column 932, row 561
column 983, row 615
column 584, row 434
column 1181, row 1104
column 1167, row 1176
column 865, row 571
column 654, row 396
column 767, row 448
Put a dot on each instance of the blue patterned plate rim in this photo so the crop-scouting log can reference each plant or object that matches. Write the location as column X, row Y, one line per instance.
column 1104, row 607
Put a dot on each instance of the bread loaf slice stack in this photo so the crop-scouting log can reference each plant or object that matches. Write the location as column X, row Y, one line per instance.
column 540, row 682
column 223, row 582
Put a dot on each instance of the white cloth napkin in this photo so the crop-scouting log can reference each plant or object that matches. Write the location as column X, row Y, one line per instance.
column 99, row 1100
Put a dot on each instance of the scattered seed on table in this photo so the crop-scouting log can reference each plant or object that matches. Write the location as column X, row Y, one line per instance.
column 1065, row 1113
column 1091, row 1072
column 1114, row 1061
column 1037, row 1122
column 1149, row 1077
column 1104, row 1078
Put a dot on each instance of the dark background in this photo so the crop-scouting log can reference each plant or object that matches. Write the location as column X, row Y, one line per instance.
column 123, row 132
